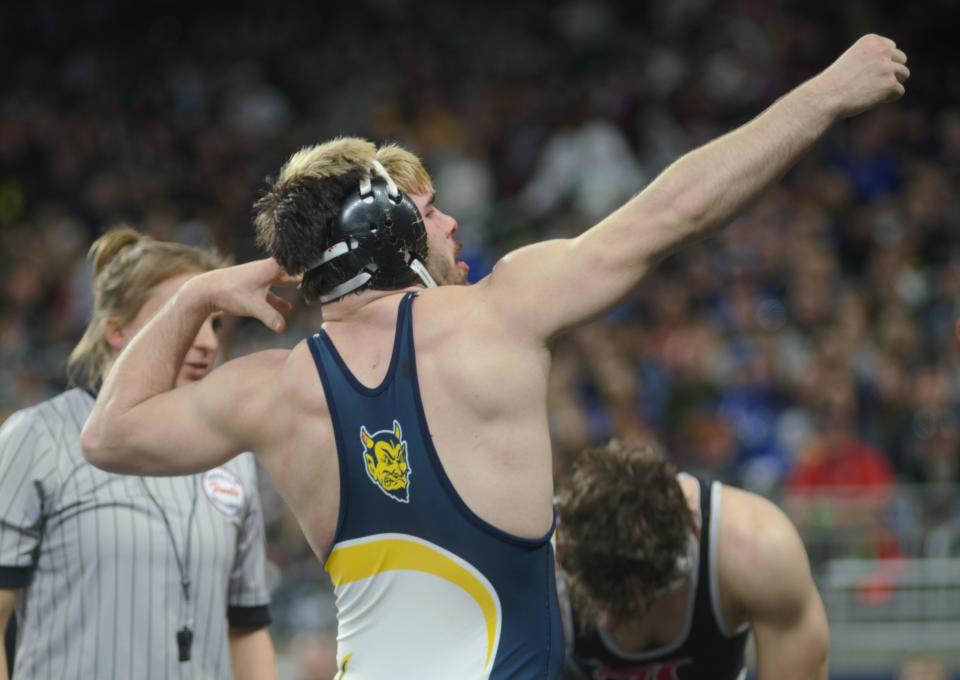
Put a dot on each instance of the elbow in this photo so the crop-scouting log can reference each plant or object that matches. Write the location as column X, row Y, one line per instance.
column 690, row 212
column 97, row 449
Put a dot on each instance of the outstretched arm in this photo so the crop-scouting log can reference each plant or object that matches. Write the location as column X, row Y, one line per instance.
column 141, row 424
column 783, row 606
column 551, row 286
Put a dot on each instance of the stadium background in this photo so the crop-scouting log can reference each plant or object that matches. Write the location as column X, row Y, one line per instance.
column 808, row 352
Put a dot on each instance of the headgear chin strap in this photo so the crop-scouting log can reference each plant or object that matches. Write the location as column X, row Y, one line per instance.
column 379, row 238
column 420, row 270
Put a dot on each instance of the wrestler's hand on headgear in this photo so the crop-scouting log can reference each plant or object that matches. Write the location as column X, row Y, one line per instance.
column 245, row 290
column 871, row 72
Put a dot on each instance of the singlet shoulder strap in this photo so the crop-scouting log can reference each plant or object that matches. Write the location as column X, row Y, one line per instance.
column 334, row 369
column 705, row 624
column 723, row 628
column 347, row 398
column 709, row 619
column 403, row 342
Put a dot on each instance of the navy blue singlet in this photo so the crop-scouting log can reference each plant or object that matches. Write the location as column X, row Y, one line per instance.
column 425, row 588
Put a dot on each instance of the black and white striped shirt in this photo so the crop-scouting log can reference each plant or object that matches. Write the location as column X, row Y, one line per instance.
column 101, row 590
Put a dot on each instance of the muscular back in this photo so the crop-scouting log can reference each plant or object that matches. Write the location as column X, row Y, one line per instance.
column 484, row 394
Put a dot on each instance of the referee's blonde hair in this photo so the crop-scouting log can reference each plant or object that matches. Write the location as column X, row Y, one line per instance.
column 126, row 267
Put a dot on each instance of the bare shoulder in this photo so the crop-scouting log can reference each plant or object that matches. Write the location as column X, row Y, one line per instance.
column 552, row 286
column 761, row 558
column 514, row 275
column 458, row 309
column 753, row 519
column 461, row 300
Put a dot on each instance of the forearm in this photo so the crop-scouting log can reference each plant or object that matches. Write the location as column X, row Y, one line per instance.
column 149, row 365
column 7, row 600
column 252, row 655
column 586, row 276
column 706, row 187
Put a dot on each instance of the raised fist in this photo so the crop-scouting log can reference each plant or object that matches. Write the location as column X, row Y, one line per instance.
column 870, row 73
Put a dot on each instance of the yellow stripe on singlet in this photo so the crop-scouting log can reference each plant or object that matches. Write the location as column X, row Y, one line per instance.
column 359, row 560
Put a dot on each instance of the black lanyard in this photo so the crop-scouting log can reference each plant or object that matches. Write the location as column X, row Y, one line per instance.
column 185, row 633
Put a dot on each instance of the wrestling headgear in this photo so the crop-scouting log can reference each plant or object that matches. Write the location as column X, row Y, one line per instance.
column 378, row 238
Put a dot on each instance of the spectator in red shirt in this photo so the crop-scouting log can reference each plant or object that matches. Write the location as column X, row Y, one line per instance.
column 838, row 456
column 841, row 486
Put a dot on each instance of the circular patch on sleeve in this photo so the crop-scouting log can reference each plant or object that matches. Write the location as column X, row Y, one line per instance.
column 224, row 490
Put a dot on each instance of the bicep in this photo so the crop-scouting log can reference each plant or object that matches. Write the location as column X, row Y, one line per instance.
column 192, row 428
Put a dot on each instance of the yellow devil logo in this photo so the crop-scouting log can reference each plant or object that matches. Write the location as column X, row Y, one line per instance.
column 385, row 455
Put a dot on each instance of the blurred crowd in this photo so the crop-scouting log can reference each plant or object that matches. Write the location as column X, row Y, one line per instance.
column 811, row 343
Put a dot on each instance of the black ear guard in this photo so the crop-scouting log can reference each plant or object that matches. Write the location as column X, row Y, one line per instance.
column 379, row 238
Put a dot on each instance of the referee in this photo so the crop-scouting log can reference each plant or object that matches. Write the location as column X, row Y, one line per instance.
column 117, row 576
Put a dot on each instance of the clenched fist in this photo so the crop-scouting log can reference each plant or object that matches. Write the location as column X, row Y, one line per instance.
column 870, row 73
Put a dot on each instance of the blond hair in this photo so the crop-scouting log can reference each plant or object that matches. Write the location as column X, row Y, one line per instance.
column 295, row 215
column 127, row 265
column 342, row 155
